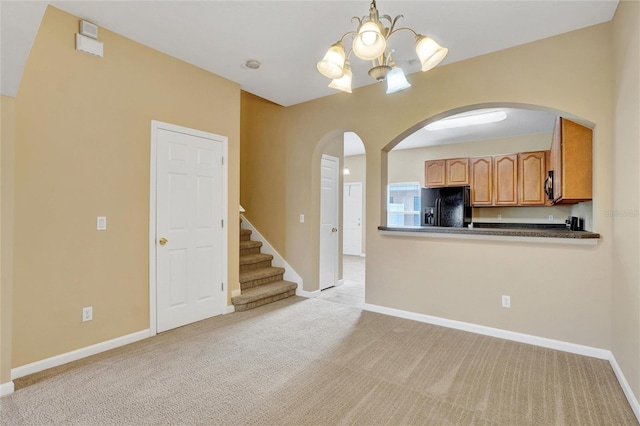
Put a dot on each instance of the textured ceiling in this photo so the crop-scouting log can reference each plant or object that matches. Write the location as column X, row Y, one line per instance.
column 289, row 37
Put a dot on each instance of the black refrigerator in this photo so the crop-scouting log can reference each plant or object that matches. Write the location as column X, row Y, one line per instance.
column 448, row 206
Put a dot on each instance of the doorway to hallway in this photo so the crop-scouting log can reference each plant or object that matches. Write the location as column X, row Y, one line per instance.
column 351, row 293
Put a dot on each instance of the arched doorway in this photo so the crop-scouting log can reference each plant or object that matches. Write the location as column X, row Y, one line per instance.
column 350, row 287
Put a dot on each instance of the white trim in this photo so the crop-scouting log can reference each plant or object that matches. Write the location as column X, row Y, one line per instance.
column 551, row 240
column 494, row 332
column 159, row 125
column 6, row 389
column 307, row 294
column 230, row 309
column 626, row 388
column 236, row 293
column 363, row 254
column 65, row 358
column 289, row 273
column 340, row 282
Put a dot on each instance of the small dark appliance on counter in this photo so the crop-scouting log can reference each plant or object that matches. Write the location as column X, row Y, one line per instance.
column 575, row 223
column 448, row 206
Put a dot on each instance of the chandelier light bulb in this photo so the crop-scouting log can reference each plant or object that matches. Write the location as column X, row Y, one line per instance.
column 396, row 81
column 343, row 83
column 429, row 52
column 369, row 44
column 332, row 65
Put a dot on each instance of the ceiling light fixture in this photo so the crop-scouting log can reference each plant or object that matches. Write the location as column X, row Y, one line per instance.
column 468, row 119
column 370, row 44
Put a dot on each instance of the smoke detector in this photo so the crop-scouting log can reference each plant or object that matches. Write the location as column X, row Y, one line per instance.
column 251, row 64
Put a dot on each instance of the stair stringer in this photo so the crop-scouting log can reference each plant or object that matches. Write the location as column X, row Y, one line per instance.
column 290, row 274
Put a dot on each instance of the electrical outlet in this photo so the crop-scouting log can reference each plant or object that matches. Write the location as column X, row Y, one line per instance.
column 87, row 314
column 506, row 301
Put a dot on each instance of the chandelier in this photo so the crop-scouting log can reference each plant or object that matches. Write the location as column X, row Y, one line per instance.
column 370, row 44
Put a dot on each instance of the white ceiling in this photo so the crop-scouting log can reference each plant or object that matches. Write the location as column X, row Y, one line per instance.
column 289, row 37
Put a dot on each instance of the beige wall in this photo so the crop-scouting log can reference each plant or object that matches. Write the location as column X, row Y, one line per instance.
column 569, row 74
column 263, row 199
column 7, row 148
column 626, row 201
column 82, row 150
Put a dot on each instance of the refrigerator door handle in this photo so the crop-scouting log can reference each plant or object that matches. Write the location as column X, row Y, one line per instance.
column 437, row 221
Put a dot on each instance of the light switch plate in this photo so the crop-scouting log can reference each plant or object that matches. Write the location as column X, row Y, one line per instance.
column 101, row 223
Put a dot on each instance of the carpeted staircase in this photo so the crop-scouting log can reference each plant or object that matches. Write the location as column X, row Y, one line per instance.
column 260, row 283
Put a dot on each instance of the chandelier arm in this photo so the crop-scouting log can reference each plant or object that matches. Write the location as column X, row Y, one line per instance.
column 392, row 31
column 393, row 24
column 350, row 33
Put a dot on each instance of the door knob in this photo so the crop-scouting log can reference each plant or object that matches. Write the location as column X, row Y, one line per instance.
column 334, row 229
column 163, row 241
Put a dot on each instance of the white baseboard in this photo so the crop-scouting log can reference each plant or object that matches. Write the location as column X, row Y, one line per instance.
column 626, row 388
column 307, row 294
column 339, row 283
column 6, row 389
column 494, row 332
column 289, row 273
column 230, row 309
column 61, row 359
column 236, row 293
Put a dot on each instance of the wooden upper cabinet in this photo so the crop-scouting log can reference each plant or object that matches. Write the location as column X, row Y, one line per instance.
column 457, row 171
column 572, row 162
column 450, row 172
column 505, row 180
column 482, row 181
column 435, row 173
column 532, row 171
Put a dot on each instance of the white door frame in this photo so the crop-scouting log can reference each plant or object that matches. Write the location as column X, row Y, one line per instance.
column 155, row 127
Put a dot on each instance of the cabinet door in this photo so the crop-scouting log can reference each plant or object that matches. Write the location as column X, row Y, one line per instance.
column 505, row 180
column 555, row 162
column 457, row 171
column 577, row 162
column 481, row 181
column 434, row 173
column 531, row 175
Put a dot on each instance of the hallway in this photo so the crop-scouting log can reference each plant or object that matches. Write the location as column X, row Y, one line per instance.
column 351, row 293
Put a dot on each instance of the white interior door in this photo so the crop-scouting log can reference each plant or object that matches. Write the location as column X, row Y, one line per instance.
column 190, row 249
column 329, row 222
column 352, row 219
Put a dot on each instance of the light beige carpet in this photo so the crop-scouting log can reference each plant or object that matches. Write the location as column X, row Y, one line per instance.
column 312, row 362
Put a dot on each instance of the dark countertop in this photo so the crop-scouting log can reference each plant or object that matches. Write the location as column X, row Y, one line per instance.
column 529, row 230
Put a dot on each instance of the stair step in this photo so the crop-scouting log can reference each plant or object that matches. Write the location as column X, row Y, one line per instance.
column 245, row 234
column 250, row 247
column 256, row 277
column 263, row 294
column 255, row 261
